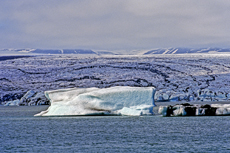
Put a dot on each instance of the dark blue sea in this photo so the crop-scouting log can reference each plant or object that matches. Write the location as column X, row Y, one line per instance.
column 22, row 132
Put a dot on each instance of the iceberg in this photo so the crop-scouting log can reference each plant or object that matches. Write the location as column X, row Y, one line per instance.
column 118, row 100
column 222, row 109
column 186, row 109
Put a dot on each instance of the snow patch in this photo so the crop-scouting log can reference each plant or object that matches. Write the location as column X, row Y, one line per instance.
column 174, row 51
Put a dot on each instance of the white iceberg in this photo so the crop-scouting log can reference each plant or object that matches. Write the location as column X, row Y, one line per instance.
column 119, row 100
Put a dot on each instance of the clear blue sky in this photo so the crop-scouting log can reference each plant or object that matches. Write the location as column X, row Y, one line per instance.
column 114, row 24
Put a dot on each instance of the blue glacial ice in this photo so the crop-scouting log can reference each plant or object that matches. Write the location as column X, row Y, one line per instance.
column 118, row 100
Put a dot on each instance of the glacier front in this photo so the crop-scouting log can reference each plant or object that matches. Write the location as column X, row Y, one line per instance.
column 118, row 100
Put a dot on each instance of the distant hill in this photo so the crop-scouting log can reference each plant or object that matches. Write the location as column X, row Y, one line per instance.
column 123, row 52
column 63, row 51
column 50, row 51
column 186, row 50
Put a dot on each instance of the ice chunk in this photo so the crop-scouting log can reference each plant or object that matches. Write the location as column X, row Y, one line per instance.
column 137, row 110
column 163, row 110
column 122, row 100
column 200, row 111
column 179, row 110
column 13, row 103
column 222, row 109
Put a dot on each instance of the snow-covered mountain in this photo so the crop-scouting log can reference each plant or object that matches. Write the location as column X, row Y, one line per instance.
column 186, row 50
column 117, row 52
column 49, row 51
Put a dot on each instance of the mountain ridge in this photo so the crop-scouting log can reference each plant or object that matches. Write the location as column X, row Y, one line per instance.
column 179, row 50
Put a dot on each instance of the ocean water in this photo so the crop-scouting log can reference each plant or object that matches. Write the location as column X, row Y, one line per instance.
column 22, row 132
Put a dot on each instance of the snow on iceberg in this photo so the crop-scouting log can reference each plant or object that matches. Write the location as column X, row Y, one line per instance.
column 119, row 100
column 222, row 109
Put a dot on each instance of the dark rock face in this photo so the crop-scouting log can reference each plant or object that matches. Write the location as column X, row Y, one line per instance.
column 169, row 110
column 210, row 111
column 192, row 110
column 205, row 106
column 186, row 104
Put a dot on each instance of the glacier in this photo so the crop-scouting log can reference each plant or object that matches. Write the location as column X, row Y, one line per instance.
column 118, row 100
column 184, row 77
